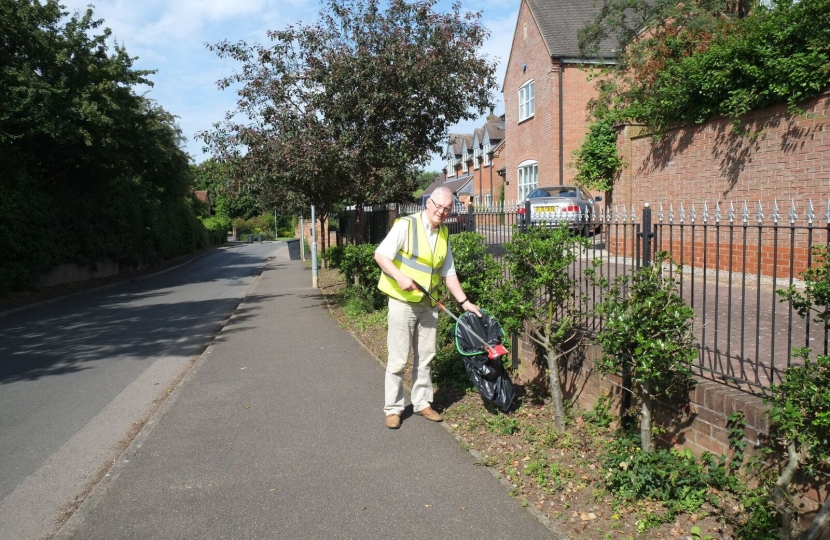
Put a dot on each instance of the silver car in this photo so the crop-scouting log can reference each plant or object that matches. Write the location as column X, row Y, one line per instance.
column 551, row 206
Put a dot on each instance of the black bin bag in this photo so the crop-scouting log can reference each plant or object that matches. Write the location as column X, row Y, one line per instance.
column 487, row 374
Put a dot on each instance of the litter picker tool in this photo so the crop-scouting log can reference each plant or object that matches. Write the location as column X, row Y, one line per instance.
column 493, row 351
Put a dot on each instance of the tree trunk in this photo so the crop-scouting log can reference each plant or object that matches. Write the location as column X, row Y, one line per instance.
column 556, row 389
column 626, row 420
column 358, row 223
column 781, row 494
column 819, row 523
column 646, row 418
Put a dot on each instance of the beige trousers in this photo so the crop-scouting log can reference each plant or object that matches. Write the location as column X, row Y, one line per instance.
column 411, row 326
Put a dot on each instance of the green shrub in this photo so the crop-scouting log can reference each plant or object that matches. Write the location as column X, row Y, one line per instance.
column 217, row 229
column 477, row 270
column 672, row 477
column 256, row 225
column 647, row 335
column 43, row 228
column 358, row 264
column 333, row 255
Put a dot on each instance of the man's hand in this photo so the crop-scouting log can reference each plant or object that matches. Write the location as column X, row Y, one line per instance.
column 406, row 283
column 472, row 308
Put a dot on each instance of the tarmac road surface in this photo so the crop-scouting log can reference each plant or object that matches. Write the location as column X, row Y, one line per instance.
column 79, row 376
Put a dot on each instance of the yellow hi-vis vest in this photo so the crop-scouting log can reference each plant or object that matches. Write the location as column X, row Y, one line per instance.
column 420, row 262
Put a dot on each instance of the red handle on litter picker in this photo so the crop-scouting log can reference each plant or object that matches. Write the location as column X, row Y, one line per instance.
column 493, row 352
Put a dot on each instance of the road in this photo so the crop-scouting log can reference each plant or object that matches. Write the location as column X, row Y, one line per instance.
column 78, row 377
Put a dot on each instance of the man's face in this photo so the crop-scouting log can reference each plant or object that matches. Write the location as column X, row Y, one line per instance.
column 438, row 209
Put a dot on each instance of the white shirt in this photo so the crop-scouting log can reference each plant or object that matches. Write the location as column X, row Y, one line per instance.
column 398, row 237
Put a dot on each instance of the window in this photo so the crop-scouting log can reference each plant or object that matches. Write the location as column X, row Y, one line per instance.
column 476, row 154
column 450, row 166
column 477, row 202
column 527, row 101
column 464, row 158
column 528, row 172
column 486, row 154
column 487, row 202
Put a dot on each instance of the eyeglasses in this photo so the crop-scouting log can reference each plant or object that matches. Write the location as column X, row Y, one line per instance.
column 442, row 209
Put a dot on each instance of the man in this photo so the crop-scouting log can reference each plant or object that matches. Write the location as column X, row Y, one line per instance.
column 416, row 249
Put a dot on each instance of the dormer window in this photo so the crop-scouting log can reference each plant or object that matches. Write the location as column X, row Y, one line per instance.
column 486, row 155
column 464, row 161
column 476, row 155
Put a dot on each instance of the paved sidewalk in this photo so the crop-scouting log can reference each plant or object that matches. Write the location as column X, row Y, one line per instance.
column 278, row 432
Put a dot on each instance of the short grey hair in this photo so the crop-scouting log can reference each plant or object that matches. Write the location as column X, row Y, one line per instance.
column 445, row 191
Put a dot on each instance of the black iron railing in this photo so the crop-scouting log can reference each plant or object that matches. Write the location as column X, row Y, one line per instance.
column 732, row 265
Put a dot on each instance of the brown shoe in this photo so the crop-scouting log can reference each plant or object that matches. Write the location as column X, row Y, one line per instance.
column 393, row 421
column 430, row 414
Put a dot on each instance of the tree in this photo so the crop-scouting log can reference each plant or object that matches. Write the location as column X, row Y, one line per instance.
column 685, row 62
column 646, row 334
column 541, row 300
column 68, row 106
column 213, row 176
column 800, row 404
column 90, row 169
column 348, row 107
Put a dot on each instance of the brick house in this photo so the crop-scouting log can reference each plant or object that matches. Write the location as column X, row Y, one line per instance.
column 546, row 93
column 472, row 164
column 204, row 197
column 458, row 175
column 486, row 183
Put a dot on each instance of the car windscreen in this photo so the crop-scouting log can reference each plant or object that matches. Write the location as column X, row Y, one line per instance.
column 552, row 192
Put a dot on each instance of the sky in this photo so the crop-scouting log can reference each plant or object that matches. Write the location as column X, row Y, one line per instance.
column 171, row 37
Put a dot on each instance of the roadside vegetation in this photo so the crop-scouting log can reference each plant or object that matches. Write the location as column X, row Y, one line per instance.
column 685, row 63
column 596, row 477
column 91, row 169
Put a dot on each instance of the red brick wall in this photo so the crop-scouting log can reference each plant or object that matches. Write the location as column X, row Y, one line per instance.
column 783, row 158
column 537, row 138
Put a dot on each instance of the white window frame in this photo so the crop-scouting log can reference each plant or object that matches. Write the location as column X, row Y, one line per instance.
column 528, row 177
column 476, row 153
column 486, row 155
column 450, row 166
column 464, row 156
column 527, row 100
column 487, row 200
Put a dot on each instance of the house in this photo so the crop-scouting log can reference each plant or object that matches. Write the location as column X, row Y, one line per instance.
column 486, row 184
column 473, row 163
column 458, row 176
column 546, row 93
column 204, row 197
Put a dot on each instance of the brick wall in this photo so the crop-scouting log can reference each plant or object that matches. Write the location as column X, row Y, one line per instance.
column 782, row 159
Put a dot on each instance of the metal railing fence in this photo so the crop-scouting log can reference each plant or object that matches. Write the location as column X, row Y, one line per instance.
column 732, row 264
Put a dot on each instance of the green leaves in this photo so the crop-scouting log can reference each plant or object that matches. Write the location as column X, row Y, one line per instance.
column 91, row 170
column 477, row 270
column 697, row 60
column 344, row 110
column 541, row 292
column 598, row 160
column 648, row 328
column 800, row 407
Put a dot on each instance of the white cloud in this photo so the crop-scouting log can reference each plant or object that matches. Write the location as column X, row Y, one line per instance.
column 171, row 36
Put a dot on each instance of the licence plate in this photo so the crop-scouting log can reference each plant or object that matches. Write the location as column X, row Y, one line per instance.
column 540, row 209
